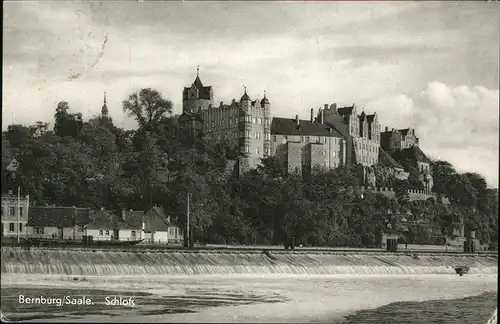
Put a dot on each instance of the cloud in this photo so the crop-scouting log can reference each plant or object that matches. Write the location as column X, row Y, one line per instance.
column 377, row 55
column 457, row 124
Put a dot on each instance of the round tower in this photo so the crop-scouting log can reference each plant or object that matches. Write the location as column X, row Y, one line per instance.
column 245, row 131
column 266, row 105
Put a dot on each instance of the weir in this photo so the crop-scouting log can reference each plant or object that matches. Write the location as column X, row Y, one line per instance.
column 105, row 263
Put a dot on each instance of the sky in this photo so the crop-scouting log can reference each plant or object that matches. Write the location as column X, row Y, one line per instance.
column 432, row 66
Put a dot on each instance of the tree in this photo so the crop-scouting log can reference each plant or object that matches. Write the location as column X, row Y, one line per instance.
column 148, row 108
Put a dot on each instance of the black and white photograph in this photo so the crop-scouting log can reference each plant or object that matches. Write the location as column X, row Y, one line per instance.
column 250, row 161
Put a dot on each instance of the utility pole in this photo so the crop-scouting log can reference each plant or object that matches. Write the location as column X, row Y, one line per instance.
column 18, row 211
column 187, row 222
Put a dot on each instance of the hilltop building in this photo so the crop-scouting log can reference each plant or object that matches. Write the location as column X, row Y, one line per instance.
column 361, row 132
column 244, row 125
column 398, row 139
column 303, row 144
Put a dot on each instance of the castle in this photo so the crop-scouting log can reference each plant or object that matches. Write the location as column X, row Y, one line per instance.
column 333, row 137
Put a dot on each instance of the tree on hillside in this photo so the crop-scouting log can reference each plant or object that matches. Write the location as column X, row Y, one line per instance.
column 148, row 108
column 67, row 124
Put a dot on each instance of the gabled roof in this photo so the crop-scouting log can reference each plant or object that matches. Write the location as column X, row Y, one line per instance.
column 385, row 159
column 336, row 122
column 288, row 126
column 133, row 217
column 155, row 219
column 405, row 131
column 370, row 118
column 58, row 216
column 345, row 110
column 105, row 219
column 413, row 153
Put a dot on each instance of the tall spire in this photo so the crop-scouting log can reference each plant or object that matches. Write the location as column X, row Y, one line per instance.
column 104, row 109
column 198, row 71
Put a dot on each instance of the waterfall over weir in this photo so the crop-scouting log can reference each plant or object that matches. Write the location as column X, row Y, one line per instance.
column 103, row 263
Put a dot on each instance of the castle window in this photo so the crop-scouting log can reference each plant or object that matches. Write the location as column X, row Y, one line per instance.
column 11, row 227
column 39, row 230
column 257, row 151
column 324, row 139
column 101, row 232
column 274, row 138
column 254, row 121
column 324, row 152
column 12, row 211
column 236, row 120
column 230, row 121
column 213, row 124
column 260, row 120
column 258, row 135
column 302, row 138
column 333, row 153
column 247, row 149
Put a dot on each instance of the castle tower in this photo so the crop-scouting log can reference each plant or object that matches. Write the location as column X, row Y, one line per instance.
column 245, row 132
column 104, row 109
column 266, row 105
column 197, row 96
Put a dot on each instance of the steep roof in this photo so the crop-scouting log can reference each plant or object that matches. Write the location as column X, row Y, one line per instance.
column 105, row 219
column 204, row 92
column 345, row 110
column 336, row 122
column 413, row 153
column 404, row 132
column 133, row 217
column 288, row 126
column 58, row 216
column 155, row 219
column 386, row 160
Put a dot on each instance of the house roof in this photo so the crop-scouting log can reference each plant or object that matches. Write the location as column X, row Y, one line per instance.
column 155, row 219
column 105, row 219
column 288, row 126
column 204, row 92
column 413, row 153
column 133, row 217
column 345, row 110
column 337, row 123
column 58, row 216
column 386, row 160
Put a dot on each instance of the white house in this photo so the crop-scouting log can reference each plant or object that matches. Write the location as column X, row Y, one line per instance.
column 108, row 225
column 14, row 217
column 156, row 226
column 62, row 223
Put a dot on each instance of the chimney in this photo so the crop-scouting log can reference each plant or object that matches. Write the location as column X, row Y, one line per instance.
column 322, row 117
column 326, row 106
column 386, row 128
column 312, row 115
column 297, row 119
